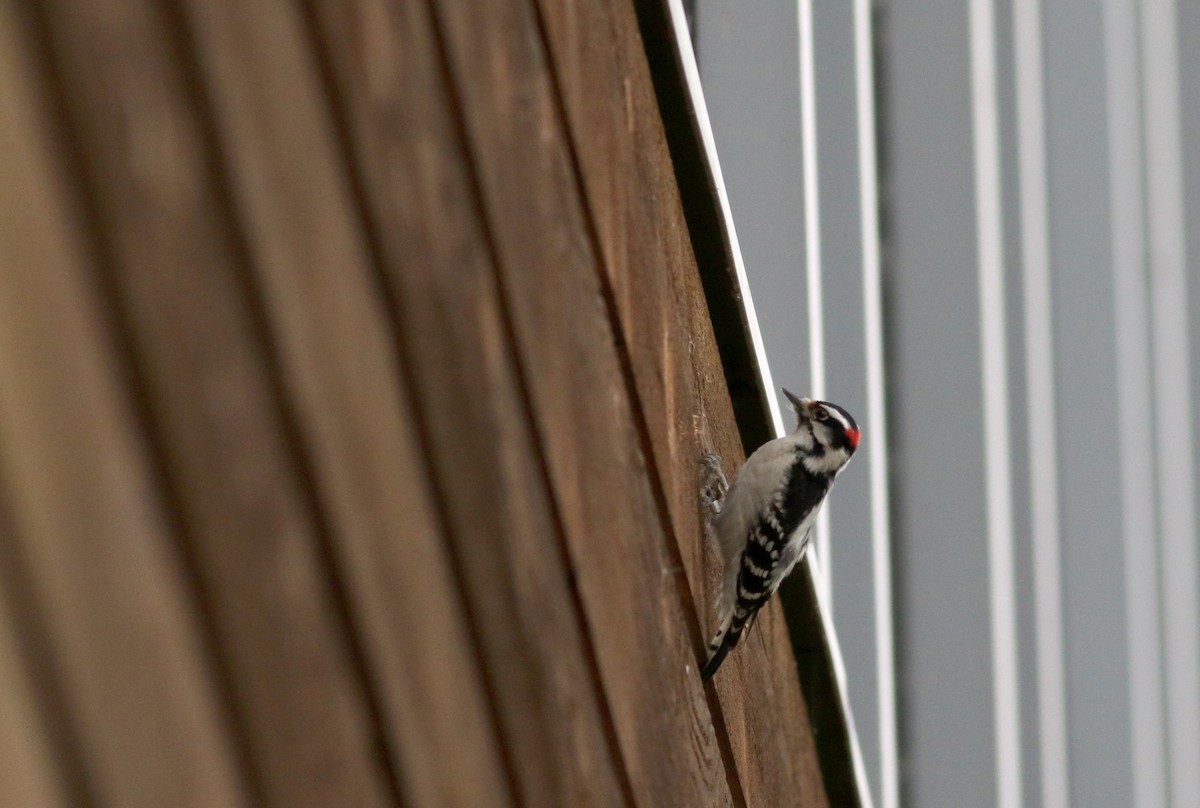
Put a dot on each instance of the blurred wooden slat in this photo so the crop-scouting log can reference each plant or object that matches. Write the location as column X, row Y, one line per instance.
column 631, row 584
column 434, row 255
column 36, row 769
column 631, row 192
column 171, row 263
column 29, row 775
column 345, row 380
column 83, row 531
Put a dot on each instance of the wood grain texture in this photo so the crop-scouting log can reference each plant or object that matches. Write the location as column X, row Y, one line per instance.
column 171, row 266
column 632, row 197
column 314, row 273
column 86, row 561
column 437, row 273
column 625, row 560
column 30, row 774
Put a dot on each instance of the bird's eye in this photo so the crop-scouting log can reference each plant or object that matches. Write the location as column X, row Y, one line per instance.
column 821, row 415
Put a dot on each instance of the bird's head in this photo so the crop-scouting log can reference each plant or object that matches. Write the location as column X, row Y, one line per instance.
column 826, row 430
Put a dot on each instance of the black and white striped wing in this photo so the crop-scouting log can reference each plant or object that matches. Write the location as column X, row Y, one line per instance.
column 776, row 541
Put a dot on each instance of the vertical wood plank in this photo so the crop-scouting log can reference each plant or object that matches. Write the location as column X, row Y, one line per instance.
column 171, row 268
column 631, row 580
column 339, row 359
column 29, row 774
column 402, row 139
column 630, row 190
column 104, row 600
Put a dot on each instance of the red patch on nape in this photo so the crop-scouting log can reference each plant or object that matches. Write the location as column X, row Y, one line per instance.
column 853, row 435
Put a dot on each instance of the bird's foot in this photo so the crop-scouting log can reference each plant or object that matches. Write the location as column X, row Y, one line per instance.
column 713, row 484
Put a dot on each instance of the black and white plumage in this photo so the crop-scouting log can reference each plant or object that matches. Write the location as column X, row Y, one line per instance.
column 765, row 521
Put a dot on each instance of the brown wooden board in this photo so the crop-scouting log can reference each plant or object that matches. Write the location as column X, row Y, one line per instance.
column 402, row 139
column 341, row 368
column 96, row 609
column 710, row 239
column 632, row 583
column 631, row 192
column 30, row 776
column 173, row 261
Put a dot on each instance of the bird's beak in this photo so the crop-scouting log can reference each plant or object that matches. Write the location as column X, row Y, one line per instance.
column 800, row 405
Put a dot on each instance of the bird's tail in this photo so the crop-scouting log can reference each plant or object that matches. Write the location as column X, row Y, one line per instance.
column 720, row 648
column 725, row 641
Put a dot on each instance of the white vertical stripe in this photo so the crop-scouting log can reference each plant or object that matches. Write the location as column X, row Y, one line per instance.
column 691, row 74
column 1172, row 385
column 1042, row 431
column 881, row 544
column 995, row 405
column 812, row 258
column 1135, row 408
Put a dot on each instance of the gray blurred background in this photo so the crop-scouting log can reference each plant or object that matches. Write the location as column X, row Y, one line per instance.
column 968, row 223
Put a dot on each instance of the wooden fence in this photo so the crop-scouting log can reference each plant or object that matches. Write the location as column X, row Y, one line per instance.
column 354, row 373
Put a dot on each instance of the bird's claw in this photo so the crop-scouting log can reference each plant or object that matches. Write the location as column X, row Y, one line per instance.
column 713, row 484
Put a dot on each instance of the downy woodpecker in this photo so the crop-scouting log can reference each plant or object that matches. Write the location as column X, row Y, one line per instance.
column 763, row 525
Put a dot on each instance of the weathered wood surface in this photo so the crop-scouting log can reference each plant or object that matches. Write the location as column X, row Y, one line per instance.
column 669, row 347
column 97, row 608
column 354, row 375
column 437, row 271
